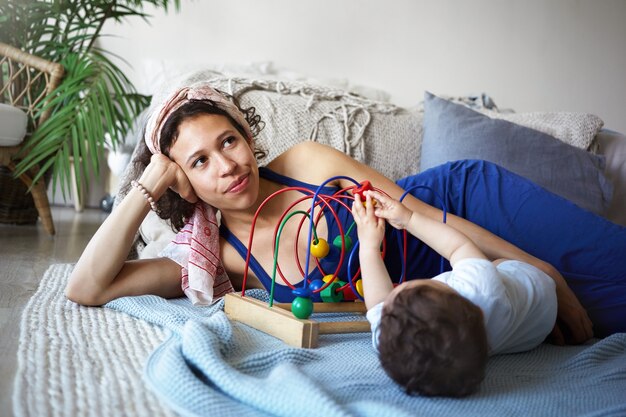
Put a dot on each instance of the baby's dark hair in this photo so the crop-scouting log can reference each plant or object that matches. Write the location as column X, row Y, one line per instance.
column 433, row 342
column 171, row 206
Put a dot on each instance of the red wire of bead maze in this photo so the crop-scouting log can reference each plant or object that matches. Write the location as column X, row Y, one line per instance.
column 279, row 322
column 366, row 185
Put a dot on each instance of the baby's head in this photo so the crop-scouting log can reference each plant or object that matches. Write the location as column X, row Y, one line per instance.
column 432, row 341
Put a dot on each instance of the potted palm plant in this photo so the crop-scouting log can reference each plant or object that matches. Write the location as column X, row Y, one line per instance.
column 95, row 103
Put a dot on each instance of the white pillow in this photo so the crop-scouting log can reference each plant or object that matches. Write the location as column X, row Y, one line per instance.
column 13, row 123
column 156, row 233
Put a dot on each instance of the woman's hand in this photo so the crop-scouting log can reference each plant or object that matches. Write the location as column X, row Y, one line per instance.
column 573, row 325
column 396, row 213
column 163, row 173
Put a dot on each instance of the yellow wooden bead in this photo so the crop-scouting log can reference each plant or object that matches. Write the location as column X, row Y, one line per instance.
column 320, row 249
column 359, row 287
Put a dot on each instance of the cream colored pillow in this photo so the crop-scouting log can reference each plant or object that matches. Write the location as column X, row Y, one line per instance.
column 156, row 233
column 13, row 123
column 377, row 133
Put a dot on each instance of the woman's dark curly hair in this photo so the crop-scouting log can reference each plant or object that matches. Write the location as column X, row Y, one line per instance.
column 171, row 206
column 433, row 342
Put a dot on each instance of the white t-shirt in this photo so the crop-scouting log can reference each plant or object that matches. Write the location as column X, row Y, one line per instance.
column 518, row 302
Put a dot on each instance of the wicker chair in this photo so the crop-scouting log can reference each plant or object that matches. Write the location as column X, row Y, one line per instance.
column 25, row 81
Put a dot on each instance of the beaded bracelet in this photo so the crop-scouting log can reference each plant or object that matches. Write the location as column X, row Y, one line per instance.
column 145, row 193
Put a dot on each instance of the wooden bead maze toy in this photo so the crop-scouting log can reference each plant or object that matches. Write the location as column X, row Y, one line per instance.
column 291, row 322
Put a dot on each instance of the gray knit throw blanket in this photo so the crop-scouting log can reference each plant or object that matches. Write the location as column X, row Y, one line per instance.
column 86, row 361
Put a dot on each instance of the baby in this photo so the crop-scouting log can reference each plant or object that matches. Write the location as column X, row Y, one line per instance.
column 434, row 335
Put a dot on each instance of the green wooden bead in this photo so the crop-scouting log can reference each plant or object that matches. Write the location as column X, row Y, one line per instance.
column 330, row 293
column 348, row 243
column 302, row 307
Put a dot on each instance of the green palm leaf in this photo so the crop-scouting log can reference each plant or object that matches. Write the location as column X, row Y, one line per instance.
column 95, row 104
column 92, row 103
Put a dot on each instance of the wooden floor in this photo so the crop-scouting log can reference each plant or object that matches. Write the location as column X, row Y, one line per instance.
column 26, row 252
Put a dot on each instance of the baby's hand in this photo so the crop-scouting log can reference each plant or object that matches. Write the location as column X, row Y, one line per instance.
column 370, row 228
column 396, row 213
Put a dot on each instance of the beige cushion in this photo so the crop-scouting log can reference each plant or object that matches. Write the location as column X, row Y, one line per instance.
column 383, row 136
column 576, row 129
column 156, row 233
column 12, row 125
column 377, row 133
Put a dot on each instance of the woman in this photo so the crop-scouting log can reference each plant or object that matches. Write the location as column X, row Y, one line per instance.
column 203, row 150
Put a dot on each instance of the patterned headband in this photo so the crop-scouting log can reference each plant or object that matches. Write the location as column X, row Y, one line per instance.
column 200, row 91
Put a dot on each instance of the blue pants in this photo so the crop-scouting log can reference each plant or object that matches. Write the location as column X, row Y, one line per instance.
column 588, row 250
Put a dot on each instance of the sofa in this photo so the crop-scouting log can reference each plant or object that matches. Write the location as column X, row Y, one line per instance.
column 570, row 154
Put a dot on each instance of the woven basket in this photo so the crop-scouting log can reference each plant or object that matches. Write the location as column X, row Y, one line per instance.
column 16, row 203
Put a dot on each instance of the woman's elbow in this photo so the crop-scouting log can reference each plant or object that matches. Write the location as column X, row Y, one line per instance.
column 80, row 294
column 82, row 298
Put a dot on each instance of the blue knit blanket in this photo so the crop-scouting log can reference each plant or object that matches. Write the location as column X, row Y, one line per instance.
column 210, row 366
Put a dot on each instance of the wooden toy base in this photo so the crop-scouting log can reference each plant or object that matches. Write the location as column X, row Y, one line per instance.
column 279, row 322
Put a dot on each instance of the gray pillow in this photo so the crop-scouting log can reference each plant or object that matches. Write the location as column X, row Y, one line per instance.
column 453, row 131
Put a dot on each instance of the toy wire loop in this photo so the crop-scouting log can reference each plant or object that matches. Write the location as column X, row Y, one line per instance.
column 324, row 203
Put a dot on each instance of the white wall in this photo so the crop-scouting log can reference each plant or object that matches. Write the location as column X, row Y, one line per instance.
column 529, row 55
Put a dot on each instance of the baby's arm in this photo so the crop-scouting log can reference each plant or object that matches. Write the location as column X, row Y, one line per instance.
column 371, row 230
column 445, row 240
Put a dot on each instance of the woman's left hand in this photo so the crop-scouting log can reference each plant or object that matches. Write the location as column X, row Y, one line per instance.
column 573, row 325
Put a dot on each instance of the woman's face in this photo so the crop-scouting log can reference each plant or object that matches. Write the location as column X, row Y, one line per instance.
column 218, row 161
